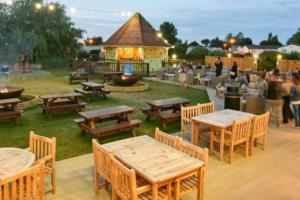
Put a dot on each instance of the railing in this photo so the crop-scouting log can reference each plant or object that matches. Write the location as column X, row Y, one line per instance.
column 140, row 69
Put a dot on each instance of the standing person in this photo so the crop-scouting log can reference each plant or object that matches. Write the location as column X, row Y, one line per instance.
column 295, row 100
column 286, row 109
column 276, row 72
column 274, row 101
column 219, row 67
column 182, row 76
column 233, row 71
column 262, row 85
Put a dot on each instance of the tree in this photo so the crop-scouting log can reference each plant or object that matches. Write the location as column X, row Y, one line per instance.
column 245, row 41
column 93, row 41
column 267, row 61
column 295, row 39
column 205, row 42
column 197, row 53
column 216, row 42
column 39, row 33
column 271, row 40
column 194, row 44
column 181, row 49
column 169, row 32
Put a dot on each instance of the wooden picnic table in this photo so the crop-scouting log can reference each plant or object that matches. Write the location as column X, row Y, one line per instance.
column 61, row 102
column 8, row 109
column 219, row 120
column 154, row 161
column 91, row 89
column 78, row 76
column 158, row 109
column 108, row 76
column 14, row 160
column 120, row 113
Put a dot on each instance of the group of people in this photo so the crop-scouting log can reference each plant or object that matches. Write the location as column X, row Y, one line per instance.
column 281, row 96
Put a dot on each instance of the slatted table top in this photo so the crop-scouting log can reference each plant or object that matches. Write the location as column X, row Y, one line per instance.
column 223, row 118
column 153, row 160
column 14, row 160
column 63, row 95
column 9, row 101
column 92, row 84
column 106, row 112
column 169, row 102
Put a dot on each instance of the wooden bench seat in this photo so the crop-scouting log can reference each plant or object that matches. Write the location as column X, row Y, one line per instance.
column 168, row 117
column 61, row 108
column 11, row 114
column 106, row 91
column 111, row 129
column 78, row 77
column 84, row 92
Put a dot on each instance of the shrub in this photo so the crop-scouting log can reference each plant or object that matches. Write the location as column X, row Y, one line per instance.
column 267, row 61
column 248, row 55
column 217, row 53
column 197, row 53
column 292, row 56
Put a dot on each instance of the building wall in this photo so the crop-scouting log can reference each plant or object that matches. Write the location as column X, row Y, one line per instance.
column 110, row 53
column 289, row 49
column 155, row 56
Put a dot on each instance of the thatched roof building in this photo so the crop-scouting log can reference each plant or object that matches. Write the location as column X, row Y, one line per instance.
column 137, row 40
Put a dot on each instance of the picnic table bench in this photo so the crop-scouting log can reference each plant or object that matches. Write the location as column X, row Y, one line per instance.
column 91, row 89
column 166, row 110
column 61, row 102
column 120, row 113
column 109, row 76
column 78, row 76
column 8, row 109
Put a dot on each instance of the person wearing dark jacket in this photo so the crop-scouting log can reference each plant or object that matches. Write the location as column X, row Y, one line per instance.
column 274, row 101
column 219, row 67
column 295, row 100
column 233, row 71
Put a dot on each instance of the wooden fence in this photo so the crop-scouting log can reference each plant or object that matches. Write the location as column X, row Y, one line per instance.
column 138, row 68
column 249, row 63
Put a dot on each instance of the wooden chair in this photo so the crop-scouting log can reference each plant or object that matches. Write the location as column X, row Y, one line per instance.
column 28, row 184
column 166, row 138
column 239, row 134
column 126, row 187
column 191, row 181
column 102, row 160
column 187, row 113
column 260, row 128
column 44, row 149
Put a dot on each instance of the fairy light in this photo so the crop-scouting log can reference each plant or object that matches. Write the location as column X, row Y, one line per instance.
column 51, row 7
column 73, row 10
column 9, row 2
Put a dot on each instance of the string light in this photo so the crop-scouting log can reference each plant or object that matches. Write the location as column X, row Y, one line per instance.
column 159, row 35
column 128, row 14
column 229, row 55
column 123, row 13
column 174, row 56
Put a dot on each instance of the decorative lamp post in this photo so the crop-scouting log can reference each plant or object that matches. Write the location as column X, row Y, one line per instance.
column 255, row 56
column 279, row 58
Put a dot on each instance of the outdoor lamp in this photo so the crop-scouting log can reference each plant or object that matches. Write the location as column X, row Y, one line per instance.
column 159, row 35
column 38, row 6
column 255, row 56
column 174, row 56
column 232, row 40
column 51, row 7
column 229, row 55
column 279, row 57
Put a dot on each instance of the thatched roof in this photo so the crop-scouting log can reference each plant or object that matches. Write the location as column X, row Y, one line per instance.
column 137, row 31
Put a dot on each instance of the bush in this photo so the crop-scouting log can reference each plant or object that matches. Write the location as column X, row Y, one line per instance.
column 267, row 61
column 82, row 54
column 236, row 55
column 248, row 55
column 217, row 53
column 54, row 62
column 197, row 53
column 292, row 56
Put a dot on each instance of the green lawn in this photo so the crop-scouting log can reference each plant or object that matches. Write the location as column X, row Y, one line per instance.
column 70, row 142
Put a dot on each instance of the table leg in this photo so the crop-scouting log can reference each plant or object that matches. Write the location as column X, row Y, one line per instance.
column 222, row 144
column 92, row 124
column 200, row 191
column 154, row 192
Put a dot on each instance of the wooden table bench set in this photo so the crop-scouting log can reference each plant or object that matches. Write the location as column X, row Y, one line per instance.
column 119, row 114
column 91, row 89
column 60, row 103
column 9, row 110
column 78, row 76
column 166, row 110
column 109, row 76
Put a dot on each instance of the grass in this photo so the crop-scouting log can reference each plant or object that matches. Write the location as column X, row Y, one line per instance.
column 70, row 142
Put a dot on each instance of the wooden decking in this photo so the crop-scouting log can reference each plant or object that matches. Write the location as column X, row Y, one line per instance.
column 271, row 174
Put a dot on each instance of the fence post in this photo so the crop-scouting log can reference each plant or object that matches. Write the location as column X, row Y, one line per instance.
column 118, row 66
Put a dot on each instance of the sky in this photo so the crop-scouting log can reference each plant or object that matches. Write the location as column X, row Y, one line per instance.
column 194, row 19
